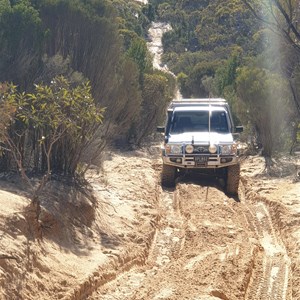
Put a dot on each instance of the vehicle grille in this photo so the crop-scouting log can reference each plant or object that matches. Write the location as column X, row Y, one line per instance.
column 201, row 149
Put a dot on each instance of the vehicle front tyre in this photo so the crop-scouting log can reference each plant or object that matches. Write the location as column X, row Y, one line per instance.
column 168, row 176
column 233, row 179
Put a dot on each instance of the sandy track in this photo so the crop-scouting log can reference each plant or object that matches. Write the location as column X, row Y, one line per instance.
column 195, row 253
column 209, row 246
column 141, row 242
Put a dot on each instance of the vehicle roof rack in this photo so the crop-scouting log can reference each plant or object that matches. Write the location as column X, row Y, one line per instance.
column 197, row 102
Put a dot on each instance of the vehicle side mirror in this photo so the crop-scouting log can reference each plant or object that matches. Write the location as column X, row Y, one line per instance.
column 239, row 129
column 160, row 129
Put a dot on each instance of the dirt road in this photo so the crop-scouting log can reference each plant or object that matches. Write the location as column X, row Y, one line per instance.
column 209, row 246
column 138, row 241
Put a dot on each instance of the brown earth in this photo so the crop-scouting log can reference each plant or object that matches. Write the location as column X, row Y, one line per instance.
column 127, row 238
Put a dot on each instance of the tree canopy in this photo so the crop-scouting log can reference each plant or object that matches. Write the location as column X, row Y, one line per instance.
column 228, row 48
column 99, row 48
column 212, row 48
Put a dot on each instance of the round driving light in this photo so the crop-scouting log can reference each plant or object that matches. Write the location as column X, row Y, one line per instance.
column 212, row 148
column 189, row 149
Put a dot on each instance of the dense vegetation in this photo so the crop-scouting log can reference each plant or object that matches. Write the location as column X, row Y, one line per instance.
column 81, row 78
column 54, row 54
column 244, row 50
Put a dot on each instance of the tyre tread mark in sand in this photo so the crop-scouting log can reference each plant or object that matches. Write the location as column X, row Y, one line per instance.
column 270, row 274
column 166, row 245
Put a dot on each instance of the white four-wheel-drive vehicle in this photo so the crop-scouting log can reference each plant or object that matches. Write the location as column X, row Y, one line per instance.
column 200, row 134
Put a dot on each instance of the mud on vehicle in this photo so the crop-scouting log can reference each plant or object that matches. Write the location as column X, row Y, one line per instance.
column 199, row 134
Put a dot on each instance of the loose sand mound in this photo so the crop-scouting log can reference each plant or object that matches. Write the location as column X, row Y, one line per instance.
column 88, row 238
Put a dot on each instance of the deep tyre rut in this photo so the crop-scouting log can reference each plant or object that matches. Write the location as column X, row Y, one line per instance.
column 170, row 237
column 166, row 246
column 271, row 271
column 233, row 179
column 168, row 176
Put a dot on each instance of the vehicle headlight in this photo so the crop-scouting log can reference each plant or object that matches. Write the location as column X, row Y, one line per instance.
column 212, row 148
column 173, row 149
column 228, row 149
column 189, row 149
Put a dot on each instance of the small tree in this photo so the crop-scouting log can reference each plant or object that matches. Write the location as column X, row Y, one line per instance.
column 157, row 93
column 7, row 111
column 138, row 52
column 45, row 123
column 266, row 98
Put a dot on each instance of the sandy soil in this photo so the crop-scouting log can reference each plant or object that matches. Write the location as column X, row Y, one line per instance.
column 127, row 238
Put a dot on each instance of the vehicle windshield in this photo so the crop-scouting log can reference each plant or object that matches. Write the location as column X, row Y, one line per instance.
column 198, row 121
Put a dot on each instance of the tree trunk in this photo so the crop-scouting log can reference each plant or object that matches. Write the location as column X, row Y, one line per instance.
column 32, row 215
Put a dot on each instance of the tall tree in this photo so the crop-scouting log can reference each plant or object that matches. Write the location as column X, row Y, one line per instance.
column 280, row 16
column 21, row 40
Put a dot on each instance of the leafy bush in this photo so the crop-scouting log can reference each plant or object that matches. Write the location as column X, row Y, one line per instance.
column 48, row 130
